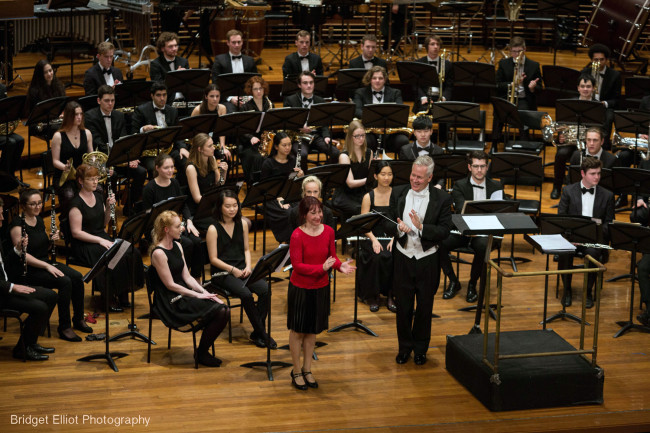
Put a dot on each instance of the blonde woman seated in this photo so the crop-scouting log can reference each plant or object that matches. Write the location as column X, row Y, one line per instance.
column 171, row 279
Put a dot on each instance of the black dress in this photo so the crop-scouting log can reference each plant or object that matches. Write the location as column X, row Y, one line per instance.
column 376, row 270
column 348, row 200
column 187, row 309
column 276, row 214
column 69, row 151
column 205, row 183
column 249, row 155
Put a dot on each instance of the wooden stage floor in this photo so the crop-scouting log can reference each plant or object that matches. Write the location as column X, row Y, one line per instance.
column 361, row 386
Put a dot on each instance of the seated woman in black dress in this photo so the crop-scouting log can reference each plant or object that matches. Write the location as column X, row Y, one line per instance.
column 228, row 249
column 42, row 273
column 348, row 198
column 171, row 279
column 162, row 187
column 375, row 255
column 70, row 142
column 203, row 171
column 280, row 162
column 249, row 155
column 211, row 105
column 88, row 219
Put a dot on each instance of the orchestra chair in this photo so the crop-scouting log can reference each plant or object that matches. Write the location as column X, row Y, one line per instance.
column 509, row 116
column 6, row 313
column 225, row 293
column 192, row 327
column 475, row 138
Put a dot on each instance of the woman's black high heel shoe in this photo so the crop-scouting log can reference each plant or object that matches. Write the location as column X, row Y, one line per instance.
column 313, row 384
column 302, row 387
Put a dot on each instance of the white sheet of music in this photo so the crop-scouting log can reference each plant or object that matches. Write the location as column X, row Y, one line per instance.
column 483, row 222
column 553, row 242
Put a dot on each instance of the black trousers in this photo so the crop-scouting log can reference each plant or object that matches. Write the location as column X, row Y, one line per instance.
column 38, row 305
column 136, row 178
column 562, row 156
column 415, row 281
column 478, row 244
column 12, row 146
column 256, row 314
column 566, row 262
column 643, row 271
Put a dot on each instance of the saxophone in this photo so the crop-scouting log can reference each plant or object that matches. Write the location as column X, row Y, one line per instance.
column 23, row 247
column 53, row 228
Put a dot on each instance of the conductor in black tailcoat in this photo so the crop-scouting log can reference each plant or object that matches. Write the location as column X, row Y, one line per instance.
column 103, row 72
column 302, row 60
column 423, row 213
column 167, row 61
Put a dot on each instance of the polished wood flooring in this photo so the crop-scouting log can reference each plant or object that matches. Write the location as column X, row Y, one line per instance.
column 361, row 386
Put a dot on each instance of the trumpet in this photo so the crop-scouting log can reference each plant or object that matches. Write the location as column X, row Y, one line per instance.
column 513, row 88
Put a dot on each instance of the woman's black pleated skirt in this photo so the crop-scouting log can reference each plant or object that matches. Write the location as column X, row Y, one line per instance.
column 308, row 309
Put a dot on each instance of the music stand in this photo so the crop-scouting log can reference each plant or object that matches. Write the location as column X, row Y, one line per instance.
column 190, row 82
column 190, row 126
column 331, row 113
column 573, row 111
column 233, row 84
column 132, row 230
column 284, row 119
column 290, row 85
column 349, row 80
column 456, row 114
column 132, row 93
column 331, row 175
column 205, row 207
column 106, row 263
column 265, row 266
column 559, row 82
column 261, row 192
column 44, row 112
column 573, row 228
column 419, row 75
column 8, row 183
column 473, row 81
column 237, row 123
column 449, row 167
column 125, row 150
column 384, row 116
column 636, row 122
column 11, row 110
column 635, row 89
column 161, row 138
column 357, row 225
column 634, row 238
column 459, row 8
column 555, row 8
column 72, row 4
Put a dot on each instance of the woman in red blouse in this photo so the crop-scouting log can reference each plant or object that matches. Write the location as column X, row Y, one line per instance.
column 312, row 255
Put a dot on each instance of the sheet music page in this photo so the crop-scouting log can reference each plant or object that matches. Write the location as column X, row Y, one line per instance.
column 118, row 256
column 283, row 262
column 483, row 222
column 497, row 195
column 553, row 242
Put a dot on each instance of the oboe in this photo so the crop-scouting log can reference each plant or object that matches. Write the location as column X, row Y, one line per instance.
column 23, row 247
column 53, row 228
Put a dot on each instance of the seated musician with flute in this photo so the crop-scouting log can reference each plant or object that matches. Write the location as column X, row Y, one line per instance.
column 589, row 199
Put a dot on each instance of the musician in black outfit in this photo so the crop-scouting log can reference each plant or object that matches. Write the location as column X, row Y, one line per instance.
column 37, row 302
column 377, row 92
column 11, row 146
column 594, row 139
column 477, row 186
column 233, row 62
column 367, row 59
column 302, row 60
column 321, row 136
column 641, row 215
column 434, row 44
column 103, row 72
column 107, row 126
column 44, row 85
column 423, row 213
column 586, row 198
column 422, row 145
column 167, row 61
column 530, row 75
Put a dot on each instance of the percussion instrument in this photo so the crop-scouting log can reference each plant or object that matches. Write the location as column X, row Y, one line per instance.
column 306, row 14
column 618, row 25
column 247, row 19
column 143, row 7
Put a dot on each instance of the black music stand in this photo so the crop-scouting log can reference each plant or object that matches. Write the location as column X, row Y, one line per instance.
column 161, row 138
column 8, row 183
column 635, row 89
column 636, row 122
column 132, row 230
column 259, row 193
column 190, row 126
column 106, row 263
column 473, row 81
column 556, row 8
column 357, row 225
column 173, row 203
column 634, row 238
column 205, row 208
column 401, row 171
column 559, row 83
column 265, row 266
column 384, row 116
column 456, row 114
column 284, row 119
column 577, row 112
column 125, row 150
column 419, row 75
column 72, row 4
column 233, row 84
column 349, row 80
column 573, row 228
column 44, row 112
column 11, row 110
column 331, row 175
column 132, row 93
column 190, row 82
column 237, row 123
column 331, row 113
column 290, row 85
column 458, row 8
column 449, row 167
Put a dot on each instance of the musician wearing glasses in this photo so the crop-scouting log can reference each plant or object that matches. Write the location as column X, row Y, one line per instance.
column 367, row 59
column 233, row 62
column 302, row 59
column 586, row 198
column 108, row 125
column 41, row 272
column 433, row 44
column 318, row 138
column 167, row 60
column 103, row 72
column 528, row 77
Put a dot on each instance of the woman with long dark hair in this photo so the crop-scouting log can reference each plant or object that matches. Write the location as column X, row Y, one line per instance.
column 44, row 84
column 211, row 105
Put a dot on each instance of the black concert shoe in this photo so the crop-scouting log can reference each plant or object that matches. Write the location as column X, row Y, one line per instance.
column 302, row 387
column 390, row 304
column 589, row 303
column 313, row 384
column 257, row 340
column 80, row 325
column 451, row 291
column 40, row 349
column 373, row 304
column 420, row 359
column 30, row 354
column 555, row 194
column 402, row 358
column 270, row 342
column 208, row 360
column 644, row 318
column 567, row 298
column 69, row 335
column 472, row 296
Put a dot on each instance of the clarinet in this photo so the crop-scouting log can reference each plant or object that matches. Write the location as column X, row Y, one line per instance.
column 112, row 207
column 299, row 155
column 23, row 247
column 53, row 228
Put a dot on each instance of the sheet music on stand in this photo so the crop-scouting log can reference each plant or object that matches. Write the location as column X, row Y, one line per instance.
column 553, row 243
column 488, row 222
column 122, row 246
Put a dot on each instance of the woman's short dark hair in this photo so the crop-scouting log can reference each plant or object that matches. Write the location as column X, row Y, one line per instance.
column 25, row 195
column 307, row 204
column 221, row 198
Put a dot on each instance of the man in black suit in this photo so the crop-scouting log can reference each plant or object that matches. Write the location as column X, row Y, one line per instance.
column 302, row 60
column 103, row 72
column 37, row 302
column 157, row 114
column 434, row 44
column 423, row 214
column 233, row 62
column 422, row 145
column 367, row 59
column 529, row 75
column 589, row 199
column 107, row 126
column 641, row 215
column 608, row 86
column 377, row 92
column 475, row 187
column 167, row 61
column 322, row 140
column 594, row 139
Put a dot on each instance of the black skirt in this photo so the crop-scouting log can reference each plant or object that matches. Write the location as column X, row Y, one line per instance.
column 308, row 309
